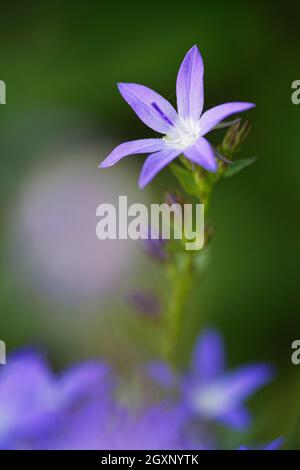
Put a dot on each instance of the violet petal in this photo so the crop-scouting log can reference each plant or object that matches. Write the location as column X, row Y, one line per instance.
column 215, row 115
column 202, row 154
column 131, row 148
column 155, row 163
column 189, row 85
column 154, row 110
column 208, row 359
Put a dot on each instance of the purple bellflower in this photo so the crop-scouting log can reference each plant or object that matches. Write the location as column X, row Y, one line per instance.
column 32, row 398
column 208, row 391
column 97, row 426
column 183, row 131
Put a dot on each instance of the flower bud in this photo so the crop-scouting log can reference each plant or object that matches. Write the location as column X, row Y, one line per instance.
column 235, row 136
column 145, row 303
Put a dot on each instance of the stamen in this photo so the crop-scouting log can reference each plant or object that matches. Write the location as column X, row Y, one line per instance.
column 157, row 108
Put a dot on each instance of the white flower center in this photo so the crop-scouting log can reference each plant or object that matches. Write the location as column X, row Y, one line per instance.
column 210, row 400
column 183, row 135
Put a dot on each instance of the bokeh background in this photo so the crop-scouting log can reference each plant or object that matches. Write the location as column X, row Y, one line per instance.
column 63, row 290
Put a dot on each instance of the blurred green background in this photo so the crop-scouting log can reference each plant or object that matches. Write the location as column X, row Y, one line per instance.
column 59, row 288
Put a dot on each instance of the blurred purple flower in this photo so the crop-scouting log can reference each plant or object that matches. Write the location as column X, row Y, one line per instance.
column 273, row 445
column 183, row 131
column 208, row 390
column 100, row 427
column 157, row 428
column 33, row 399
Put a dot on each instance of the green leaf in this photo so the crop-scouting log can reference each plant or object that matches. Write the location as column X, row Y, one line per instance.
column 237, row 166
column 185, row 178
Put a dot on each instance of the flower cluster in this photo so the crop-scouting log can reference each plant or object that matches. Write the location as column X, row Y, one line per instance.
column 79, row 409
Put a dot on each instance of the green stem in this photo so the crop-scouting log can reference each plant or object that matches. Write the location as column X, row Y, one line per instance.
column 181, row 275
column 181, row 269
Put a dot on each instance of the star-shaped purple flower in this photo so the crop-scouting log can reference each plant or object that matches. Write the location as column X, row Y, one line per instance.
column 33, row 399
column 208, row 391
column 183, row 131
column 98, row 426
